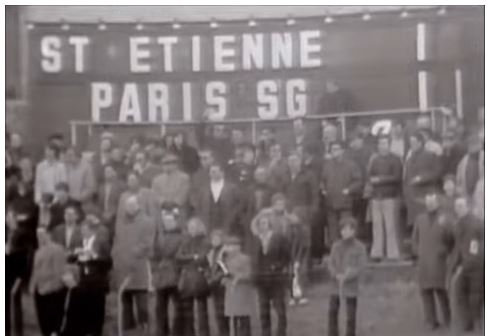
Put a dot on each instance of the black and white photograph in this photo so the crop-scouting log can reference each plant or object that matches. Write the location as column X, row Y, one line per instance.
column 244, row 170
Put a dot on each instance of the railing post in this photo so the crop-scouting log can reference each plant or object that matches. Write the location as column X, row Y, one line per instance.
column 254, row 131
column 73, row 133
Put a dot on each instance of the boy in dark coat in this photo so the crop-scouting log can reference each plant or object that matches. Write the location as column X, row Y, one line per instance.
column 347, row 261
column 467, row 265
column 432, row 243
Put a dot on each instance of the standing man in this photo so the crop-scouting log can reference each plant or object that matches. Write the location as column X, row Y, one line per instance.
column 467, row 267
column 49, row 173
column 432, row 244
column 172, row 186
column 384, row 175
column 421, row 176
column 81, row 180
column 341, row 180
column 218, row 203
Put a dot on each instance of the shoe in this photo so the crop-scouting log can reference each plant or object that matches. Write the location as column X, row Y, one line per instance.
column 292, row 302
column 303, row 301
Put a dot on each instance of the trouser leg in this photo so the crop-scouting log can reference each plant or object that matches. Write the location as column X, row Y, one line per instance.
column 429, row 308
column 351, row 316
column 390, row 213
column 444, row 303
column 203, row 322
column 244, row 326
column 128, row 310
column 333, row 309
column 219, row 308
column 162, row 312
column 187, row 305
column 377, row 250
column 178, row 318
column 476, row 297
column 279, row 303
column 264, row 309
column 141, row 302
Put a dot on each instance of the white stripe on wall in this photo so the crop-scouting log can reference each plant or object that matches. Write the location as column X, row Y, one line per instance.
column 421, row 41
column 423, row 90
column 459, row 92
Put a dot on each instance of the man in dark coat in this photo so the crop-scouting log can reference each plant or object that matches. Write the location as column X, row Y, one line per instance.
column 341, row 180
column 421, row 175
column 94, row 262
column 218, row 203
column 270, row 256
column 61, row 202
column 432, row 244
column 188, row 156
column 302, row 194
column 467, row 267
column 68, row 234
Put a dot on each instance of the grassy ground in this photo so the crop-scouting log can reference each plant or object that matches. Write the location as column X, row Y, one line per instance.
column 385, row 309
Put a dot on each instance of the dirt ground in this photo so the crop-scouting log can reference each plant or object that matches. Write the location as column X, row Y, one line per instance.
column 384, row 309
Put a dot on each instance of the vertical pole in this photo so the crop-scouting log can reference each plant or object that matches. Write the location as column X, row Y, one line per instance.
column 73, row 133
column 422, row 75
column 254, row 132
column 459, row 92
column 344, row 128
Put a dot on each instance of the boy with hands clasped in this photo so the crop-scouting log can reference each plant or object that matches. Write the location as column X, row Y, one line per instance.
column 347, row 260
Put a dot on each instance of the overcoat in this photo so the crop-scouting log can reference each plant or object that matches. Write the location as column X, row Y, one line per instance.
column 433, row 241
column 134, row 237
column 240, row 299
column 426, row 165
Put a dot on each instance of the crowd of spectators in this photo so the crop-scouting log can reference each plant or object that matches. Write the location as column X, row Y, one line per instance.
column 158, row 213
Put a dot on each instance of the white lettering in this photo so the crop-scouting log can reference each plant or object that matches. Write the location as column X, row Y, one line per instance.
column 101, row 97
column 307, row 49
column 195, row 49
column 282, row 50
column 51, row 55
column 158, row 102
column 167, row 43
column 296, row 98
column 187, row 102
column 215, row 98
column 267, row 99
column 129, row 106
column 252, row 51
column 222, row 52
column 137, row 54
column 79, row 43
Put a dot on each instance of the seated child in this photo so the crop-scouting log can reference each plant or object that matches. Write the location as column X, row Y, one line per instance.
column 347, row 260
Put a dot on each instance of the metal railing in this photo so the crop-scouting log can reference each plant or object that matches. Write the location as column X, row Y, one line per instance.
column 342, row 118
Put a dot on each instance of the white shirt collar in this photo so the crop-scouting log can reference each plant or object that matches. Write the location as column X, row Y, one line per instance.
column 216, row 189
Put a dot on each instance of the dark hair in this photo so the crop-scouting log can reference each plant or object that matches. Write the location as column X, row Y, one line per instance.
column 53, row 148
